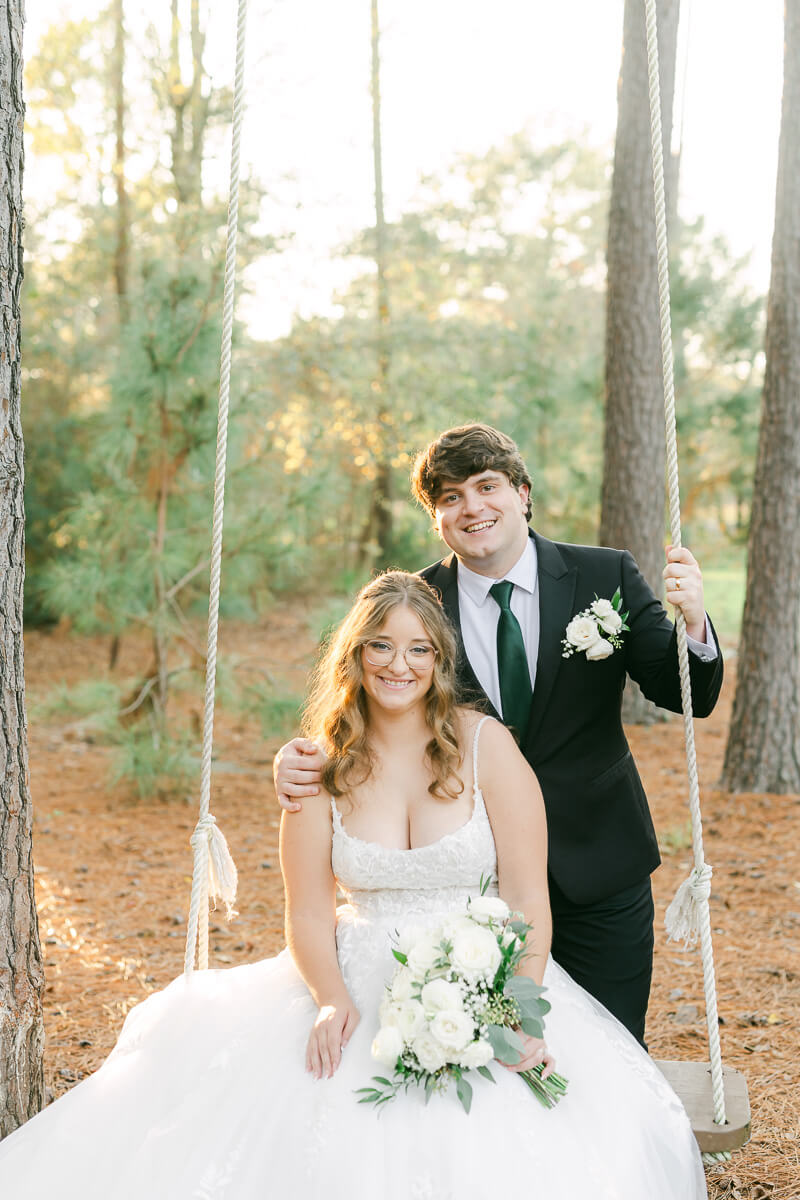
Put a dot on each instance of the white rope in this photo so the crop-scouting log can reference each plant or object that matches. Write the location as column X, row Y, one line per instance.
column 214, row 871
column 689, row 909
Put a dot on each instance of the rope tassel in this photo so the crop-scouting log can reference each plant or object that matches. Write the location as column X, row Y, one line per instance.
column 682, row 920
column 223, row 878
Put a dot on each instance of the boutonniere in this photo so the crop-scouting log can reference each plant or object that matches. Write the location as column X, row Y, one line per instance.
column 598, row 630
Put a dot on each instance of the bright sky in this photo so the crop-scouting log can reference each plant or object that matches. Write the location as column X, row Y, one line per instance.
column 460, row 75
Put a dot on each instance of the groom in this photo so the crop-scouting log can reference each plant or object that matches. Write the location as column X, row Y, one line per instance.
column 511, row 594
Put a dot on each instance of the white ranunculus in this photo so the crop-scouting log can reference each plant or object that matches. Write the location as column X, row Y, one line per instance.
column 582, row 632
column 602, row 609
column 477, row 1054
column 600, row 649
column 475, row 953
column 423, row 954
column 489, row 908
column 453, row 1030
column 612, row 623
column 388, row 1045
column 431, row 1054
column 402, row 981
column 410, row 1019
column 441, row 996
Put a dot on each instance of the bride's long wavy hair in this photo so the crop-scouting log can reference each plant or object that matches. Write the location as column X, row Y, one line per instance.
column 336, row 711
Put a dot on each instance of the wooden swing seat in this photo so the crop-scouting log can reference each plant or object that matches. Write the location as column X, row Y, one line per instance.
column 692, row 1083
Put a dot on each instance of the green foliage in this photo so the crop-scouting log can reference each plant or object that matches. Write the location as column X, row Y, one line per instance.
column 154, row 762
column 496, row 282
column 95, row 699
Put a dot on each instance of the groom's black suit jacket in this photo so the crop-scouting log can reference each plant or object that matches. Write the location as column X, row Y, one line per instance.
column 601, row 836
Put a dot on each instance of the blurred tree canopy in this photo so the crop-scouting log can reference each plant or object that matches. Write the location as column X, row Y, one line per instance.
column 496, row 275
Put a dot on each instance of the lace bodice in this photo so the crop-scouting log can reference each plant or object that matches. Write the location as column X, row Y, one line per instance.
column 379, row 882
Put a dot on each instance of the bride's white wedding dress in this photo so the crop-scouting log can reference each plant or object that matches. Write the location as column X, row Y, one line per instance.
column 205, row 1096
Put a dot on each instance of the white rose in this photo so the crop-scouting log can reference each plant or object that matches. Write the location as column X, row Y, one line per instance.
column 600, row 649
column 477, row 1054
column 430, row 1053
column 401, row 984
column 422, row 956
column 611, row 623
column 489, row 908
column 387, row 1011
column 410, row 1019
column 453, row 1030
column 441, row 996
column 475, row 952
column 603, row 609
column 408, row 935
column 582, row 632
column 388, row 1045
column 454, row 925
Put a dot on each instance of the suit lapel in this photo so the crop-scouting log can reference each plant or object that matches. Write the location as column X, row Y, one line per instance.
column 445, row 580
column 556, row 595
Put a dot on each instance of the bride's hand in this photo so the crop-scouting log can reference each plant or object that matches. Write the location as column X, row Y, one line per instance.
column 332, row 1031
column 534, row 1052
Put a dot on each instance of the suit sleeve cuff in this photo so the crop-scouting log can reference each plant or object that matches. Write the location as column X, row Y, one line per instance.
column 707, row 650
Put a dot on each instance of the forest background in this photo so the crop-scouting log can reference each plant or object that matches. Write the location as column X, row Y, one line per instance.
column 478, row 247
column 495, row 266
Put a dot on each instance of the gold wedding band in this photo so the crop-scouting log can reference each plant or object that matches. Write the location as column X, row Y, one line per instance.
column 678, row 584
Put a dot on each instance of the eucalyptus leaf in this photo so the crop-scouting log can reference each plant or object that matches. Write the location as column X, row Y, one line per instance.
column 523, row 989
column 505, row 1043
column 532, row 1026
column 464, row 1092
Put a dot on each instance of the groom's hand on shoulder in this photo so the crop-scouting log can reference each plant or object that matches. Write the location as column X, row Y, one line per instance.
column 297, row 770
column 684, row 581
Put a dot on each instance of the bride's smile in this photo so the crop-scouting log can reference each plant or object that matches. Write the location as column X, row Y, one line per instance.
column 398, row 662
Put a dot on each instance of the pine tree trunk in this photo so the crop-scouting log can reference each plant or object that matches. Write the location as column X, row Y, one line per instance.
column 763, row 750
column 190, row 108
column 633, row 495
column 121, row 247
column 21, row 975
column 381, row 517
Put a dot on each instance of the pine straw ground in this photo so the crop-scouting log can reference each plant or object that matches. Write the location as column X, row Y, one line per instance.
column 113, row 882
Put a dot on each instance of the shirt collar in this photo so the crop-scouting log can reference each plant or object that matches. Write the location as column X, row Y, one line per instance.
column 523, row 574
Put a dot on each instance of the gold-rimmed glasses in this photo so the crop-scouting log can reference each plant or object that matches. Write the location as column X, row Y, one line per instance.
column 380, row 652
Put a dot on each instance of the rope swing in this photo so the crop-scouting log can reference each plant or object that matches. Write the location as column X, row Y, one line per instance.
column 214, row 873
column 688, row 916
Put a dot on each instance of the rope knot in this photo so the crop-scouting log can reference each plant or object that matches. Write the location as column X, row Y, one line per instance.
column 203, row 828
column 223, row 878
column 700, row 882
column 683, row 916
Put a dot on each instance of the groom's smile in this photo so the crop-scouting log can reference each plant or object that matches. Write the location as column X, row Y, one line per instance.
column 483, row 519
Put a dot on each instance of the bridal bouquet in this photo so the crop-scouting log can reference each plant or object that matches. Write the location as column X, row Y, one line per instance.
column 455, row 1002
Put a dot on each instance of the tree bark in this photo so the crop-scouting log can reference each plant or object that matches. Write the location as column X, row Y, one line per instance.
column 21, row 975
column 763, row 750
column 190, row 107
column 381, row 517
column 121, row 247
column 633, row 495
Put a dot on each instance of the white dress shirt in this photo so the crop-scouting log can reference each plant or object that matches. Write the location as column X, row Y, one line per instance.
column 479, row 613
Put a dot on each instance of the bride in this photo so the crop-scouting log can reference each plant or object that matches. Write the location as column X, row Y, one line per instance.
column 241, row 1084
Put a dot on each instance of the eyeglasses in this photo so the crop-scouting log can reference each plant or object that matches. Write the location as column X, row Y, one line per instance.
column 419, row 656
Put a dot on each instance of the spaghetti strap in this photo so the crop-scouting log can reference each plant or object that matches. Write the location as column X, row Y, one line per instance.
column 475, row 784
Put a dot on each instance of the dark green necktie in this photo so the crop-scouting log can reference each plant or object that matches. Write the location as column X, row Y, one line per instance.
column 512, row 661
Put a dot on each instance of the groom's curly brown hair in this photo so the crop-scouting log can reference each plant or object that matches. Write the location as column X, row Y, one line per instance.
column 464, row 451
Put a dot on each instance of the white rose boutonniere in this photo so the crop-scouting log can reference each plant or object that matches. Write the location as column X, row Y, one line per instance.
column 586, row 631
